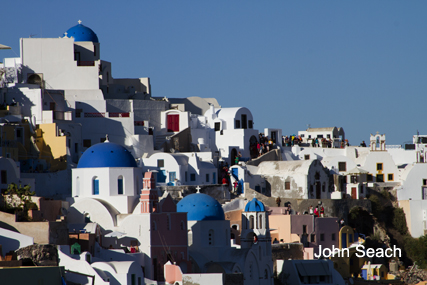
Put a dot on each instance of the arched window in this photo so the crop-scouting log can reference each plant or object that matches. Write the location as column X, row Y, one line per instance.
column 251, row 222
column 182, row 225
column 266, row 274
column 154, row 226
column 260, row 221
column 95, row 185
column 120, row 185
column 211, row 237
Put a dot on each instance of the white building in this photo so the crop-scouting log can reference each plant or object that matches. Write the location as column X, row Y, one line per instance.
column 305, row 179
column 190, row 168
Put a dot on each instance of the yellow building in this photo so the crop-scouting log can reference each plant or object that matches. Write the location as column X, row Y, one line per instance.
column 374, row 272
column 52, row 146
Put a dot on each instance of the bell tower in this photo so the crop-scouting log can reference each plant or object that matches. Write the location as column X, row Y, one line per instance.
column 149, row 197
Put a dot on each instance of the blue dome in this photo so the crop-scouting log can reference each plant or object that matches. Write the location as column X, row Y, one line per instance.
column 82, row 33
column 254, row 206
column 200, row 207
column 106, row 154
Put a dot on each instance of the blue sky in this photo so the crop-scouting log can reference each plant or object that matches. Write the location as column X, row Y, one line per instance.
column 360, row 65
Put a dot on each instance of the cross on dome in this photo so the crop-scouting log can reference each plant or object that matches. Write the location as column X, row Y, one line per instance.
column 80, row 22
column 198, row 189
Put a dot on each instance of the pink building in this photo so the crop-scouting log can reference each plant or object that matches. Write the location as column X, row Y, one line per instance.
column 168, row 234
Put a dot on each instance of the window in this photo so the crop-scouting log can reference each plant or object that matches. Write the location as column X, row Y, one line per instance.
column 120, row 185
column 353, row 179
column 380, row 177
column 342, row 166
column 320, row 136
column 312, row 238
column 251, row 222
column 369, row 177
column 250, row 124
column 379, row 166
column 328, row 136
column 237, row 124
column 168, row 223
column 322, row 237
column 217, row 126
column 425, row 182
column 186, row 176
column 4, row 177
column 87, row 143
column 95, row 186
column 333, row 237
column 323, row 187
column 78, row 113
column 390, row 177
column 287, row 185
column 260, row 221
column 160, row 163
column 207, row 177
column 192, row 177
column 306, row 157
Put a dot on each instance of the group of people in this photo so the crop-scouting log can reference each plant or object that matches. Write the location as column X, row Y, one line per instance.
column 291, row 140
column 319, row 211
column 224, row 174
column 264, row 145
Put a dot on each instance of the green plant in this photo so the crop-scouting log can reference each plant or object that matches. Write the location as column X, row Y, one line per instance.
column 399, row 221
column 18, row 198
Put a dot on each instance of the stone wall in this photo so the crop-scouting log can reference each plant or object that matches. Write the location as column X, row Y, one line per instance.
column 333, row 208
column 273, row 155
column 220, row 192
column 41, row 255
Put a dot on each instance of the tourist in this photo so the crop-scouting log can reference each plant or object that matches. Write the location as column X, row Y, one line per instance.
column 278, row 201
column 310, row 210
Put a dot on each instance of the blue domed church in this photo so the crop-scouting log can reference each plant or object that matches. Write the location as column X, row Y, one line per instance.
column 209, row 236
column 108, row 171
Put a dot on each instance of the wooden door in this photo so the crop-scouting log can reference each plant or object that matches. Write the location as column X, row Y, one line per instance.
column 173, row 123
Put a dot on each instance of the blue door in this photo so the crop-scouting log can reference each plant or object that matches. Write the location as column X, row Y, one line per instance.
column 344, row 240
column 235, row 173
column 161, row 176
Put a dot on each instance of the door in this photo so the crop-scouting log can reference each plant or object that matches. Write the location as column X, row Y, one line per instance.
column 173, row 123
column 244, row 121
column 274, row 137
column 344, row 240
column 353, row 193
column 161, row 176
column 233, row 156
